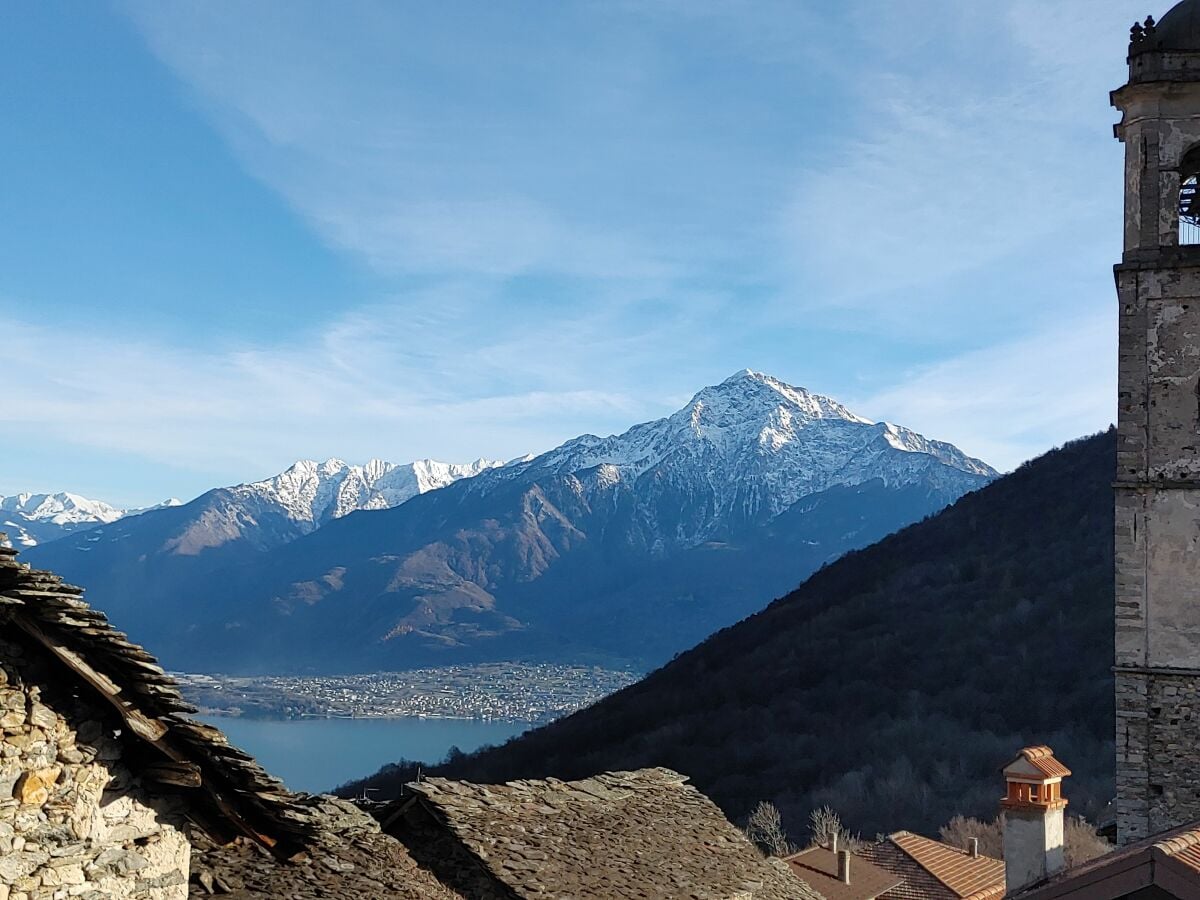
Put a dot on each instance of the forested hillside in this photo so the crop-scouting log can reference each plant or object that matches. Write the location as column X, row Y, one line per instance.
column 896, row 681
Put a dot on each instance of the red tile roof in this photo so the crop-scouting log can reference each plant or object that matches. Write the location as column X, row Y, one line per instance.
column 1183, row 846
column 915, row 884
column 1170, row 859
column 1042, row 759
column 818, row 867
column 967, row 877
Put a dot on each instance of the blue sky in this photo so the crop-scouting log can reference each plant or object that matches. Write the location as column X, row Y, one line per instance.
column 233, row 235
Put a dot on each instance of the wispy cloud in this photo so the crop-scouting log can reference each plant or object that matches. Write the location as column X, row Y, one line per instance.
column 979, row 144
column 242, row 411
column 568, row 220
column 439, row 143
column 1012, row 401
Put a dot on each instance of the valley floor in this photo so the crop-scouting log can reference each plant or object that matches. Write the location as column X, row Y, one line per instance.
column 514, row 692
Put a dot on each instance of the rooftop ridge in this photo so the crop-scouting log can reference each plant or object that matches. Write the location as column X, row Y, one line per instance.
column 1178, row 841
column 123, row 674
column 1043, row 759
column 969, row 877
column 617, row 834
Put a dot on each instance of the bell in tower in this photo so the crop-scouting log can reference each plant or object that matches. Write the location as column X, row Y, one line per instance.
column 1158, row 454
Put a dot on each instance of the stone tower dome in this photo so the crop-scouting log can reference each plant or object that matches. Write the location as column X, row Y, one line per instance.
column 1179, row 29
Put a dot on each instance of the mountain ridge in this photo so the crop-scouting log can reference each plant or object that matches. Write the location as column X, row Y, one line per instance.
column 36, row 518
column 611, row 548
column 861, row 688
column 307, row 491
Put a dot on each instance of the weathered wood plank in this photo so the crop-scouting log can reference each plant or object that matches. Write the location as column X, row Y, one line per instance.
column 180, row 774
column 139, row 723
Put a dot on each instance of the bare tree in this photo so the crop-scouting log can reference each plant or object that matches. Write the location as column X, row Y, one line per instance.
column 959, row 831
column 1081, row 841
column 765, row 828
column 824, row 822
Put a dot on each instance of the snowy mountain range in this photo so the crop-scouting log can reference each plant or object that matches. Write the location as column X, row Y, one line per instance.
column 303, row 498
column 31, row 519
column 307, row 493
column 318, row 492
column 630, row 547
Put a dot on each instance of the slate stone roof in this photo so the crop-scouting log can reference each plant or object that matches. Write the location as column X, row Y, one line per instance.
column 932, row 870
column 640, row 834
column 348, row 859
column 818, row 867
column 622, row 834
column 232, row 793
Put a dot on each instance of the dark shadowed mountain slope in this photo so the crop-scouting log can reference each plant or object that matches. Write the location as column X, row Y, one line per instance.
column 895, row 682
column 628, row 548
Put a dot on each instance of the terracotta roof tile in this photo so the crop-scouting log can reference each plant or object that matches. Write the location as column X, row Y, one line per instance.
column 1042, row 759
column 818, row 867
column 1190, row 856
column 965, row 876
column 1181, row 847
column 915, row 884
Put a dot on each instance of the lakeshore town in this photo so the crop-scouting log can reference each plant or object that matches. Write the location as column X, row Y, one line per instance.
column 517, row 692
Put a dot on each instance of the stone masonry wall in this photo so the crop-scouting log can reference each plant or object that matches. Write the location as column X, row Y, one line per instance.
column 1158, row 546
column 75, row 822
column 1132, row 807
column 1158, row 731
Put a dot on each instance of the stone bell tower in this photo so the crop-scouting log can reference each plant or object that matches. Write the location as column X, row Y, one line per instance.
column 1158, row 452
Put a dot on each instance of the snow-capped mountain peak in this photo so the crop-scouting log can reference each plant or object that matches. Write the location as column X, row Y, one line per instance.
column 751, row 447
column 304, row 496
column 313, row 493
column 61, row 509
column 750, row 391
column 30, row 519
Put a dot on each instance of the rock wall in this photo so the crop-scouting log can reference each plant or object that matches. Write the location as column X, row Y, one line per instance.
column 75, row 822
column 1157, row 637
column 1158, row 767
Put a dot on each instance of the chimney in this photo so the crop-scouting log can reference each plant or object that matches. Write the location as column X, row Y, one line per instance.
column 1033, row 818
column 843, row 858
column 973, row 847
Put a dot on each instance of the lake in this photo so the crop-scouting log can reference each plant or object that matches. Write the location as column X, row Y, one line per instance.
column 317, row 755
